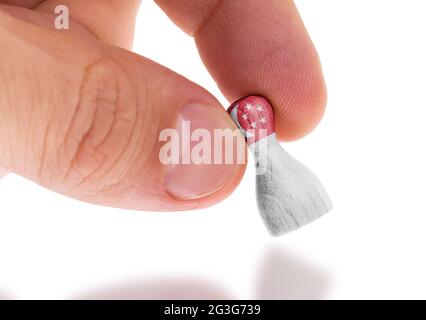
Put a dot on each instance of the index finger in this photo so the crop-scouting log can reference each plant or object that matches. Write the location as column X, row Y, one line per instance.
column 258, row 47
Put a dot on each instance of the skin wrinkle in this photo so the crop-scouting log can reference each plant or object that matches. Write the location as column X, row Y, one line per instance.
column 208, row 17
column 76, row 109
column 86, row 138
column 111, row 133
column 112, row 189
column 45, row 163
column 142, row 99
column 73, row 163
column 44, row 150
column 76, row 112
column 132, row 130
column 142, row 156
column 114, row 116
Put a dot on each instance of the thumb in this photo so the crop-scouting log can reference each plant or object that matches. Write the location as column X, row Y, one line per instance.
column 85, row 119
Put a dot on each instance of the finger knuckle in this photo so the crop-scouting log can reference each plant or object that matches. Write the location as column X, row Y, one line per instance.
column 98, row 141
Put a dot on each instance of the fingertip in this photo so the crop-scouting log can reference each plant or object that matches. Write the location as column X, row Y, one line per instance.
column 299, row 113
column 265, row 49
column 297, row 92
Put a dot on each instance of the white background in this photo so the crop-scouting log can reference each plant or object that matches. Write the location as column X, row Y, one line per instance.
column 369, row 152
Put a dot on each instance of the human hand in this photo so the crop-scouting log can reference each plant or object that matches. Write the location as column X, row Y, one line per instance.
column 81, row 115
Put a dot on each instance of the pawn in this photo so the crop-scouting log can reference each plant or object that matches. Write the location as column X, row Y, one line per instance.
column 289, row 195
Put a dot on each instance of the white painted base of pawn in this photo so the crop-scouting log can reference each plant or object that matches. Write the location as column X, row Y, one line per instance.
column 289, row 195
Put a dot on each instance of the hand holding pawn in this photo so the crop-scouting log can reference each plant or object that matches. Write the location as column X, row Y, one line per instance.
column 289, row 195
